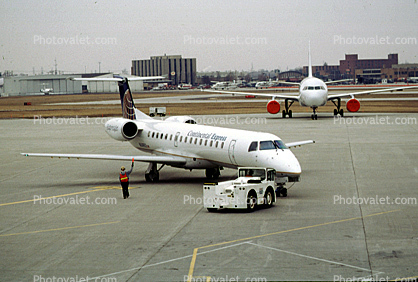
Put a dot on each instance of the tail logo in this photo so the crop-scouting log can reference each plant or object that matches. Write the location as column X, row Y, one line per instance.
column 128, row 105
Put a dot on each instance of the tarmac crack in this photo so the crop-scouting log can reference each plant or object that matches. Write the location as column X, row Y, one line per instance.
column 163, row 244
column 359, row 205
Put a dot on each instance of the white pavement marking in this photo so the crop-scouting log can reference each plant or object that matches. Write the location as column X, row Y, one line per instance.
column 314, row 258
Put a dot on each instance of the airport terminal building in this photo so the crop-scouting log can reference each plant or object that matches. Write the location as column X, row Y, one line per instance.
column 177, row 69
column 368, row 70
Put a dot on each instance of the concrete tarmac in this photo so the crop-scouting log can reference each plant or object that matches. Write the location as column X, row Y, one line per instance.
column 354, row 215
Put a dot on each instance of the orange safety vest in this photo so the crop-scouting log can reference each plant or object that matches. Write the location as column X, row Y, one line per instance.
column 123, row 177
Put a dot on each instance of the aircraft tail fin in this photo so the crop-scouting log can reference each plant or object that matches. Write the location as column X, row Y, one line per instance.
column 310, row 61
column 127, row 102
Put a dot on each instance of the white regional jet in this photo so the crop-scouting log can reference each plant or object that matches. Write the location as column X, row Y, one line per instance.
column 179, row 142
column 313, row 93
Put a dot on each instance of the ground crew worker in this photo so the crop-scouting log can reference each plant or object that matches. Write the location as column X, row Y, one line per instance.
column 124, row 180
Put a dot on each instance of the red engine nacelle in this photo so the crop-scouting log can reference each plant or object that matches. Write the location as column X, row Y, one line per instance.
column 353, row 105
column 273, row 107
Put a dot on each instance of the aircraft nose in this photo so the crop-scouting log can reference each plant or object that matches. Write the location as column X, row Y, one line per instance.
column 289, row 163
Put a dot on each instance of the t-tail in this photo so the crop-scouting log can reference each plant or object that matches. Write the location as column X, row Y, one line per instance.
column 127, row 102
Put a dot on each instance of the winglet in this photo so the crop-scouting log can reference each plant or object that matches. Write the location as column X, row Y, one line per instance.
column 310, row 61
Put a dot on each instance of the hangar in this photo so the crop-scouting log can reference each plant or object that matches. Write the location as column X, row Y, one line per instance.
column 61, row 84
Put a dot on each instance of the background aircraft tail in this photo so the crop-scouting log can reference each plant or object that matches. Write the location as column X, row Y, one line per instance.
column 310, row 61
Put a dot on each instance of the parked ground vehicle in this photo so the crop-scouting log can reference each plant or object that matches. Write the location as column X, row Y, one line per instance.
column 254, row 186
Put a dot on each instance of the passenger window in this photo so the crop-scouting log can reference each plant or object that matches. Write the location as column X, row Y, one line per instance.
column 217, row 143
column 149, row 133
column 206, row 142
column 153, row 134
column 253, row 146
column 222, row 145
column 211, row 143
column 181, row 138
column 185, row 139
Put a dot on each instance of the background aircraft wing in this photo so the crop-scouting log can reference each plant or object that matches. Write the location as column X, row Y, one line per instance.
column 331, row 97
column 299, row 143
column 280, row 96
column 116, row 78
column 169, row 160
column 337, row 81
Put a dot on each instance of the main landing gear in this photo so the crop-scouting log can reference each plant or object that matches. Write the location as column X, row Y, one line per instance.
column 213, row 173
column 338, row 110
column 152, row 174
column 287, row 112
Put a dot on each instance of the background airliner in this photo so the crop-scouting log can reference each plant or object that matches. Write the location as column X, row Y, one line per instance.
column 313, row 93
column 179, row 142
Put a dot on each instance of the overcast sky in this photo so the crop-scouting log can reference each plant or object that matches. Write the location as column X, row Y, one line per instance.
column 222, row 35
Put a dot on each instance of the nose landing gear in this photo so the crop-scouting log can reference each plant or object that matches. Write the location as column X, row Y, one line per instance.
column 314, row 116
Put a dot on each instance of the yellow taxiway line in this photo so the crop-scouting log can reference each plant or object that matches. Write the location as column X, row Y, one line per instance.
column 58, row 229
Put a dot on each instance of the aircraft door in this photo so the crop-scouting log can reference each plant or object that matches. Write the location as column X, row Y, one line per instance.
column 176, row 139
column 231, row 151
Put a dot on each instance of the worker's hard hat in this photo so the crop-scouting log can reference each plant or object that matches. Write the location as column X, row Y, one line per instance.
column 122, row 168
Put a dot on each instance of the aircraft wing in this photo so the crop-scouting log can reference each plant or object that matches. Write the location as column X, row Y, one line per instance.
column 331, row 97
column 169, row 160
column 280, row 96
column 299, row 143
column 337, row 81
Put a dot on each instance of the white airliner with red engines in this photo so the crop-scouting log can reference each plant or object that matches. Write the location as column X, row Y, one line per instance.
column 179, row 142
column 313, row 93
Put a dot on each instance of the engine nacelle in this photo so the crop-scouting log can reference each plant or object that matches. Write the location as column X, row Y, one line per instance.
column 353, row 105
column 182, row 119
column 121, row 129
column 273, row 107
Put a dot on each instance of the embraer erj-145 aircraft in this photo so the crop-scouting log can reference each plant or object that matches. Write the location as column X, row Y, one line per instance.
column 313, row 93
column 179, row 142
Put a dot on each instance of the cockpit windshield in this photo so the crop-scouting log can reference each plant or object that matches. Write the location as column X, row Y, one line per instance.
column 314, row 88
column 267, row 145
column 280, row 144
